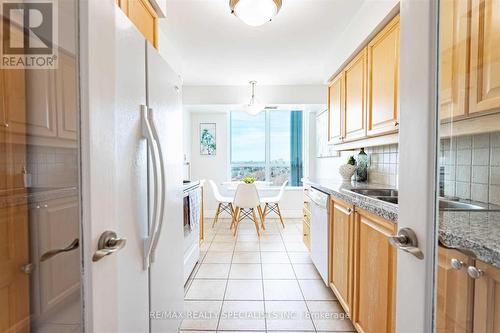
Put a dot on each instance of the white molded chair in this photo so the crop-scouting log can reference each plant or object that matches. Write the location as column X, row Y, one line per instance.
column 246, row 200
column 272, row 204
column 225, row 203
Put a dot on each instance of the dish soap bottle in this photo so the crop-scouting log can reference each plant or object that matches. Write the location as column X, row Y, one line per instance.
column 362, row 166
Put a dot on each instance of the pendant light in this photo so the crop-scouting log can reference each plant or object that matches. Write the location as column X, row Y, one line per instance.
column 254, row 107
column 255, row 12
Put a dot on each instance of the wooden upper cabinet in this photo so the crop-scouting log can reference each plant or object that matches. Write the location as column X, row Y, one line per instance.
column 67, row 101
column 487, row 300
column 383, row 80
column 374, row 274
column 13, row 100
column 341, row 252
column 455, row 292
column 355, row 98
column 335, row 108
column 454, row 57
column 144, row 16
column 485, row 56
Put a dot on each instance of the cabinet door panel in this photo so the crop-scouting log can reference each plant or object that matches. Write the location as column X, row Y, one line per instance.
column 335, row 109
column 341, row 253
column 67, row 97
column 454, row 292
column 142, row 14
column 375, row 274
column 60, row 275
column 383, row 69
column 454, row 57
column 485, row 56
column 487, row 300
column 41, row 105
column 355, row 90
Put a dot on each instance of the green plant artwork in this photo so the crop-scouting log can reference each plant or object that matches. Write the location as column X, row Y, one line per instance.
column 248, row 180
column 208, row 144
column 351, row 161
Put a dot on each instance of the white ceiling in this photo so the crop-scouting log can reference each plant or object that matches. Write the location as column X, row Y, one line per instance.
column 216, row 48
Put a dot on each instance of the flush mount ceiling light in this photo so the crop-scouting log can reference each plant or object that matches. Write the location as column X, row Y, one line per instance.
column 253, row 107
column 255, row 12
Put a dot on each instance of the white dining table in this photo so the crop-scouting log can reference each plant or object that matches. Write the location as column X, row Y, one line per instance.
column 263, row 187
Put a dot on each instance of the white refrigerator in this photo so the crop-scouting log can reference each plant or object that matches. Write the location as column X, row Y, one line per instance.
column 148, row 134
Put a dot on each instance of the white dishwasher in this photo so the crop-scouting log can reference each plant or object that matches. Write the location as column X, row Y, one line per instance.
column 319, row 232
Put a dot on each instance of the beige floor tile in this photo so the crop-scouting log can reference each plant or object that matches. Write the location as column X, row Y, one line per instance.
column 213, row 271
column 248, row 238
column 271, row 238
column 225, row 231
column 288, row 315
column 300, row 257
column 275, row 258
column 296, row 247
column 282, row 290
column 245, row 271
column 216, row 257
column 206, row 290
column 246, row 290
column 222, row 246
column 224, row 238
column 316, row 290
column 306, row 271
column 246, row 258
column 205, row 246
column 277, row 271
column 328, row 316
column 242, row 315
column 293, row 237
column 272, row 246
column 211, row 311
column 247, row 246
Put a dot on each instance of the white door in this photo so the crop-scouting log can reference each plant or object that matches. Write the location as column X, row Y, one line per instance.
column 417, row 157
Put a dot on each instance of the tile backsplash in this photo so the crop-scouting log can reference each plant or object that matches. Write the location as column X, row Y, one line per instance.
column 470, row 167
column 383, row 164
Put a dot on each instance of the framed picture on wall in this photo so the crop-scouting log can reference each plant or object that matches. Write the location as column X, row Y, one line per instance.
column 208, row 142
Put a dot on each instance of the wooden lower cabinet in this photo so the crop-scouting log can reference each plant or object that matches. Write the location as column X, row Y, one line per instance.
column 374, row 274
column 487, row 300
column 341, row 252
column 306, row 222
column 144, row 16
column 455, row 292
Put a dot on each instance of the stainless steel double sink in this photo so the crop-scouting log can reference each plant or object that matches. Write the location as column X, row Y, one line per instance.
column 391, row 196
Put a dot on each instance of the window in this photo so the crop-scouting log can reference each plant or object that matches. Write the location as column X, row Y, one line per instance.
column 267, row 146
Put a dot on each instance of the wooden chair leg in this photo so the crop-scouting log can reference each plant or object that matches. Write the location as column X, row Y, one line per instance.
column 279, row 213
column 255, row 222
column 259, row 208
column 236, row 221
column 233, row 218
column 216, row 218
column 264, row 214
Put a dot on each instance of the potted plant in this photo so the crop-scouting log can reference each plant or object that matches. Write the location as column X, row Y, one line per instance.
column 348, row 169
column 248, row 180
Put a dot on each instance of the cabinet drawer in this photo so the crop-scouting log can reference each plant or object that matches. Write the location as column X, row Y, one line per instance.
column 307, row 235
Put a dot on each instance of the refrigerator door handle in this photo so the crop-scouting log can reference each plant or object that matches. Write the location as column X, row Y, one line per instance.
column 147, row 133
column 162, row 184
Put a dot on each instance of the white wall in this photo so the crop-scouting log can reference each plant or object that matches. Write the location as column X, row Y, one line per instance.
column 216, row 167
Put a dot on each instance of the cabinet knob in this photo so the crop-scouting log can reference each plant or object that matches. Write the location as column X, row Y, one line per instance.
column 474, row 272
column 27, row 269
column 45, row 206
column 349, row 210
column 6, row 125
column 396, row 123
column 37, row 206
column 457, row 264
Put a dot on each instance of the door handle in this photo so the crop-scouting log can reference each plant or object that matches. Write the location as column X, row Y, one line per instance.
column 406, row 240
column 49, row 254
column 108, row 244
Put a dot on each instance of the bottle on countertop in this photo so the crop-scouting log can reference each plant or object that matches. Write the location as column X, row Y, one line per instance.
column 362, row 166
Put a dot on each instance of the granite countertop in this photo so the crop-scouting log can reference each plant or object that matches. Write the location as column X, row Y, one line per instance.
column 340, row 190
column 476, row 233
column 35, row 195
